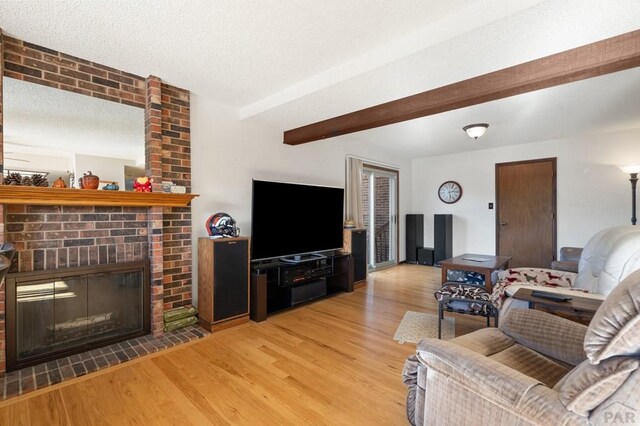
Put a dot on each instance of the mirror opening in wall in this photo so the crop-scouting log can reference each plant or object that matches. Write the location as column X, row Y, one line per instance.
column 60, row 134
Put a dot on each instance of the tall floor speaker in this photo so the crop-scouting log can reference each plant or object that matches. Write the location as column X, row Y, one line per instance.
column 355, row 242
column 223, row 282
column 415, row 236
column 442, row 237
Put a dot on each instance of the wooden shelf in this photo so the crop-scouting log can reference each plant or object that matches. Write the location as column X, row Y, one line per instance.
column 15, row 194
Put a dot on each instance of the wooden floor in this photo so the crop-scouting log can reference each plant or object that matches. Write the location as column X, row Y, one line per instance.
column 330, row 362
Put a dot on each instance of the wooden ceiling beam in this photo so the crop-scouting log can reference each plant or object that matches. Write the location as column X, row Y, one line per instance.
column 592, row 60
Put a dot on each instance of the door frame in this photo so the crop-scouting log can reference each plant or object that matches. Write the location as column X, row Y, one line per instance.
column 395, row 172
column 554, row 203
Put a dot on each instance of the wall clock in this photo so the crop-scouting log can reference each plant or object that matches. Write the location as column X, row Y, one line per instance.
column 450, row 192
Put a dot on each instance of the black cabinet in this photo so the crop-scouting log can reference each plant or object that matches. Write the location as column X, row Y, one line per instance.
column 415, row 236
column 277, row 285
column 223, row 282
column 442, row 237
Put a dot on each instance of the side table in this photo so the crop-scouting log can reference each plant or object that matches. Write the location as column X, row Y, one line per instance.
column 480, row 263
column 579, row 309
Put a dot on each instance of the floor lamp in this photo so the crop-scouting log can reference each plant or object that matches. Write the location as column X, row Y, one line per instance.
column 633, row 173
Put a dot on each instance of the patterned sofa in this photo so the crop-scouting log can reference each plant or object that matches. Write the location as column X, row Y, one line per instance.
column 607, row 258
column 536, row 369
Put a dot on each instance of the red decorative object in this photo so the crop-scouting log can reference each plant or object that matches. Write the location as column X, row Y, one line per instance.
column 142, row 184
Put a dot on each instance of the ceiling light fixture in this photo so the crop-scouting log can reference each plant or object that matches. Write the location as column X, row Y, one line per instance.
column 476, row 130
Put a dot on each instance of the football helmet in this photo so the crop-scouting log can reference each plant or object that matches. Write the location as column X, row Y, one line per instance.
column 222, row 225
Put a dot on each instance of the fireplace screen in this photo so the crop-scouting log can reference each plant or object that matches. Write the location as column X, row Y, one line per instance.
column 55, row 313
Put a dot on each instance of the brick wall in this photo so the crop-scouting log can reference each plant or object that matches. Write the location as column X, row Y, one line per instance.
column 381, row 217
column 164, row 234
column 176, row 167
column 36, row 64
column 176, row 136
column 177, row 257
column 51, row 237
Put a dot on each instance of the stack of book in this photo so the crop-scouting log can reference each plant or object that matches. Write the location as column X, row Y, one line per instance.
column 179, row 317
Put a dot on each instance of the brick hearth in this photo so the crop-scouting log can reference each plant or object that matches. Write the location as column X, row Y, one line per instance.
column 29, row 379
column 48, row 237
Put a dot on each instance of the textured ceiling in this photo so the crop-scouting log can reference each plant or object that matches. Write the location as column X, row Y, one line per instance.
column 288, row 63
column 239, row 52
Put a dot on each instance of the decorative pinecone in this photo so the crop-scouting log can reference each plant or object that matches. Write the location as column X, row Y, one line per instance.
column 13, row 179
column 26, row 181
column 39, row 180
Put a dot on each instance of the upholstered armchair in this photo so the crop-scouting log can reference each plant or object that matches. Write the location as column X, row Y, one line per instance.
column 569, row 259
column 536, row 369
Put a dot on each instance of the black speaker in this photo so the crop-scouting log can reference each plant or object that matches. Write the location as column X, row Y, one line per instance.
column 425, row 256
column 415, row 236
column 442, row 237
column 230, row 278
column 359, row 253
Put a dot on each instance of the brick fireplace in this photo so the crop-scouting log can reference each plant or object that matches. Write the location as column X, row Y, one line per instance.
column 54, row 236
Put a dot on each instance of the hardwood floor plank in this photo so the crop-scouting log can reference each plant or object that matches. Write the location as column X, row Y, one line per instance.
column 264, row 384
column 329, row 362
column 208, row 376
column 17, row 414
column 151, row 387
column 48, row 409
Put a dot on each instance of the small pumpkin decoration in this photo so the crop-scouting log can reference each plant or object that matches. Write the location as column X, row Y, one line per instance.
column 90, row 181
column 59, row 183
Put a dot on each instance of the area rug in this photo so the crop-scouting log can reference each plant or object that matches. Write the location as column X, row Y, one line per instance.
column 416, row 326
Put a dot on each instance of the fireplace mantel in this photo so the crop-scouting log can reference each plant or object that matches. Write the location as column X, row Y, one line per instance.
column 15, row 194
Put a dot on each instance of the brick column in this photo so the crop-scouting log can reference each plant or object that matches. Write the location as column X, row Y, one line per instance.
column 156, row 273
column 176, row 167
column 153, row 161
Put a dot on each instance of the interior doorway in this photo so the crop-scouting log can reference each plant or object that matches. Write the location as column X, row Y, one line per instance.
column 526, row 212
column 380, row 211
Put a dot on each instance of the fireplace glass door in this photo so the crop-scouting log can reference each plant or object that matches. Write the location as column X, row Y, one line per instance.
column 56, row 316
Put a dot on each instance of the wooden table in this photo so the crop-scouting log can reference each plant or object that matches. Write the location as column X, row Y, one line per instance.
column 580, row 309
column 486, row 267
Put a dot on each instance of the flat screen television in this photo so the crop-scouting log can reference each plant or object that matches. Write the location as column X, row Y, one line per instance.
column 290, row 219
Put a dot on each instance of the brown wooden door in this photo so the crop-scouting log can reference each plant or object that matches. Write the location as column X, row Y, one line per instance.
column 526, row 212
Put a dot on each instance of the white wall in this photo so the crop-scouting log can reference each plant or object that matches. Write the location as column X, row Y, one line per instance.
column 592, row 193
column 107, row 169
column 228, row 153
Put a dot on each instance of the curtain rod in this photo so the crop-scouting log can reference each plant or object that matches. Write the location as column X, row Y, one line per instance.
column 374, row 162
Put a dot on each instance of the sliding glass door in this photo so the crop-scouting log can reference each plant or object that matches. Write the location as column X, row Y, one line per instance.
column 380, row 195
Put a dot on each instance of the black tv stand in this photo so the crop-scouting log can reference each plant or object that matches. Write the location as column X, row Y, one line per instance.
column 278, row 285
column 302, row 258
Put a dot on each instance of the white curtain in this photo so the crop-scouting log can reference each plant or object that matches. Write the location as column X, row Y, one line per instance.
column 353, row 192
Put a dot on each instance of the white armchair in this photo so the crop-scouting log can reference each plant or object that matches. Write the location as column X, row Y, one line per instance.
column 607, row 258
